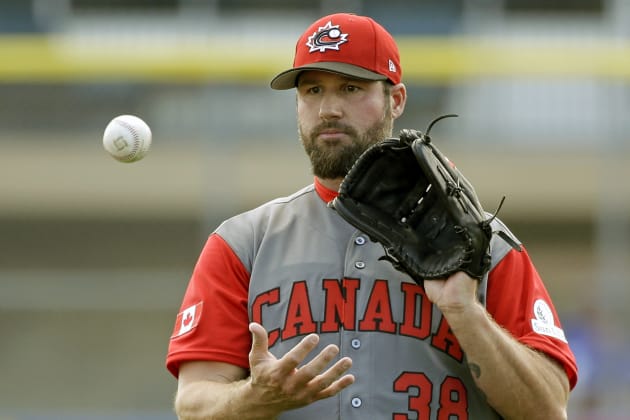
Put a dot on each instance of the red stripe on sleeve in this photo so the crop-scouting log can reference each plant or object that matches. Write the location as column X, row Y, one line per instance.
column 515, row 283
column 219, row 281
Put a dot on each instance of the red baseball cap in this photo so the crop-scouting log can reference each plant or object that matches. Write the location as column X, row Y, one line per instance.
column 344, row 43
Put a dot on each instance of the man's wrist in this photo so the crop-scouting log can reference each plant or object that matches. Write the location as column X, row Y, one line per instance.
column 253, row 402
column 465, row 315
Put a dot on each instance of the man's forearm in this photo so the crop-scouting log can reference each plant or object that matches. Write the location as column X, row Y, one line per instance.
column 517, row 381
column 206, row 400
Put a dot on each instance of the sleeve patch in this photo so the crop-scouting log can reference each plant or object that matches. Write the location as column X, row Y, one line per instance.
column 187, row 320
column 543, row 323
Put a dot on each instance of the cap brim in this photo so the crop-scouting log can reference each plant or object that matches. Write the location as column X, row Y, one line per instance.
column 288, row 79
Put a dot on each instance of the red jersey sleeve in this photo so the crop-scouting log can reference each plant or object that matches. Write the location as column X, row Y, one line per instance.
column 213, row 320
column 518, row 301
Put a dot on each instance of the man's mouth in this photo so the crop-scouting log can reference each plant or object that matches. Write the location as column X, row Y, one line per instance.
column 331, row 134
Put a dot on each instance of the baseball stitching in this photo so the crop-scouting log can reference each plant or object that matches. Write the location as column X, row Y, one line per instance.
column 136, row 137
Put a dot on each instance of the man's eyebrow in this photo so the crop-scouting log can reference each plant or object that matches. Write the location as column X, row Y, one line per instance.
column 309, row 81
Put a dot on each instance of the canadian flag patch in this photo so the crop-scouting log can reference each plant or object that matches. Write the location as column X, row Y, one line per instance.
column 187, row 320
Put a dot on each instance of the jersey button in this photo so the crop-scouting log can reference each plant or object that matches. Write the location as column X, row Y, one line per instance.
column 355, row 343
column 356, row 402
column 359, row 240
column 359, row 265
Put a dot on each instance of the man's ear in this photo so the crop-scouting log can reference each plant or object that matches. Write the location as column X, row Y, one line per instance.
column 398, row 97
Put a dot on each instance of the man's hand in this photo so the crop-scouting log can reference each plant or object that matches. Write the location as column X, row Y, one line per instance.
column 209, row 389
column 281, row 383
column 453, row 295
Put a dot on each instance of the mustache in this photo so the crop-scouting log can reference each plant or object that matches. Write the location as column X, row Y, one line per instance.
column 333, row 125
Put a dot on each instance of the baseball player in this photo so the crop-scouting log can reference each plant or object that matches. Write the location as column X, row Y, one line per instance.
column 291, row 313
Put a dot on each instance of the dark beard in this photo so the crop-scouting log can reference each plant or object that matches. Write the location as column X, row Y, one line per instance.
column 334, row 161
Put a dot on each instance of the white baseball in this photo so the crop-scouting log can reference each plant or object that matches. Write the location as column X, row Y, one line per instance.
column 127, row 138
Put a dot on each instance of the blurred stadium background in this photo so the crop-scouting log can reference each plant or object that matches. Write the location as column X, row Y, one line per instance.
column 95, row 254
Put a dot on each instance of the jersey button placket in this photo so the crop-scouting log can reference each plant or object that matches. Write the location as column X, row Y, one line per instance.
column 359, row 240
column 355, row 343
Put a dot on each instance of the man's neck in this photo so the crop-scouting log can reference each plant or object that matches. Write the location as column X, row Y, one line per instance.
column 331, row 184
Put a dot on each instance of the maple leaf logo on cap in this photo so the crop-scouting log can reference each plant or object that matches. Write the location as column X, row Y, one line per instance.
column 327, row 37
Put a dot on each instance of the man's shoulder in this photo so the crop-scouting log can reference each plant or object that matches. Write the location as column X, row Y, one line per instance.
column 499, row 246
column 260, row 214
column 280, row 204
column 245, row 232
column 300, row 194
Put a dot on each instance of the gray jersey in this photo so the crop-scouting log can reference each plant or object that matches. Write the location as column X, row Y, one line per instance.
column 311, row 272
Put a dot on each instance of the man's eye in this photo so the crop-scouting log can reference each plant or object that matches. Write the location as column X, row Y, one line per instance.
column 352, row 88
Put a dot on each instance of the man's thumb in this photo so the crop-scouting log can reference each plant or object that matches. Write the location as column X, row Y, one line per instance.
column 260, row 342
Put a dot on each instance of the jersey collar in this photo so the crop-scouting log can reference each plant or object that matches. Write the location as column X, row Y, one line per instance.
column 327, row 195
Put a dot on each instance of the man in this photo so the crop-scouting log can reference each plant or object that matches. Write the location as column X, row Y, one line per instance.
column 290, row 313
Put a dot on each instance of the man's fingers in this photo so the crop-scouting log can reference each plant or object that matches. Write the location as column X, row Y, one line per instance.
column 260, row 342
column 292, row 359
column 336, row 387
column 317, row 365
column 333, row 379
column 314, row 380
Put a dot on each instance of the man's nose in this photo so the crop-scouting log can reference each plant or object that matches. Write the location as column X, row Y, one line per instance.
column 330, row 107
